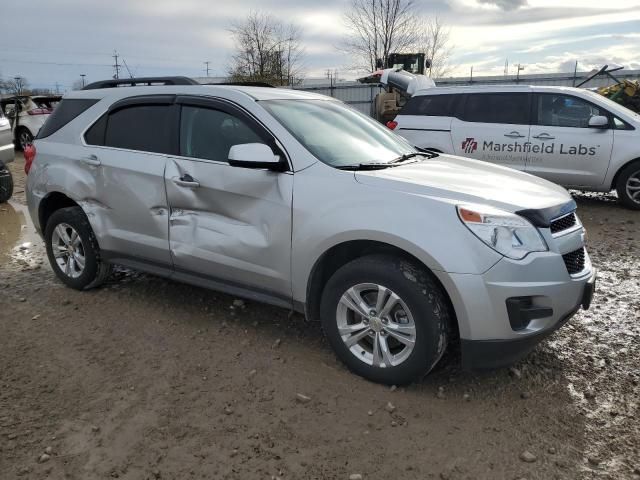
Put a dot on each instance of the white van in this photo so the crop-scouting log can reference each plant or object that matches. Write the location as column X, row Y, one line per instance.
column 572, row 137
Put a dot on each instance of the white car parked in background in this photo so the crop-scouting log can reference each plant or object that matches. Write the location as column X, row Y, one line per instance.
column 570, row 136
column 33, row 111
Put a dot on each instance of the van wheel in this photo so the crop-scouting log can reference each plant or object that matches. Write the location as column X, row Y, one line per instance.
column 628, row 186
column 6, row 184
column 73, row 250
column 386, row 318
column 24, row 138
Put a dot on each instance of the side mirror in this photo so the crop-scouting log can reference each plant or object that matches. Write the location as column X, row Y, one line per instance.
column 599, row 121
column 255, row 155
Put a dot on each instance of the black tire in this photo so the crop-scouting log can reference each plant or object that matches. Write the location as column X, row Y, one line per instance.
column 95, row 271
column 6, row 184
column 629, row 173
column 23, row 137
column 419, row 291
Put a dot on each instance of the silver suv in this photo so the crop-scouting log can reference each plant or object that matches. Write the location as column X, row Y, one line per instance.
column 299, row 201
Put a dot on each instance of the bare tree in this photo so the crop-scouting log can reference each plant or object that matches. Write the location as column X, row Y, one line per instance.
column 266, row 50
column 15, row 86
column 435, row 43
column 378, row 28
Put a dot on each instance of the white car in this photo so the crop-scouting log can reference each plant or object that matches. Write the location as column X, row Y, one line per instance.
column 573, row 137
column 33, row 111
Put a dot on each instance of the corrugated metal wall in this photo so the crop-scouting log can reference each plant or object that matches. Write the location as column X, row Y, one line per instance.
column 360, row 97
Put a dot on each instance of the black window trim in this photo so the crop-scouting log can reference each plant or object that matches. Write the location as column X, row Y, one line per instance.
column 608, row 114
column 232, row 108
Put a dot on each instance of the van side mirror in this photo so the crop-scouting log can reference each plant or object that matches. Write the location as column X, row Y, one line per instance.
column 599, row 121
column 255, row 155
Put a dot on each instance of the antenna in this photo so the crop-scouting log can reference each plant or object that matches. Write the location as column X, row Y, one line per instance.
column 127, row 67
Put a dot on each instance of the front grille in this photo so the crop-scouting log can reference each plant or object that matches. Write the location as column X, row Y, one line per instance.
column 564, row 223
column 574, row 261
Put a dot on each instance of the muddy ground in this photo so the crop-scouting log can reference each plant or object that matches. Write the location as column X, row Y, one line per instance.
column 145, row 378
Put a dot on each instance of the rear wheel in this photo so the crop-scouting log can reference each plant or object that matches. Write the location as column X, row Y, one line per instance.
column 73, row 250
column 6, row 183
column 628, row 186
column 24, row 137
column 386, row 318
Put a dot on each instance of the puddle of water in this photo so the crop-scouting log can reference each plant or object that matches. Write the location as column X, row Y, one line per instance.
column 18, row 239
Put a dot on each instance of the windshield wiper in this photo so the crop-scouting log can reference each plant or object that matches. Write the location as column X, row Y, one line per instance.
column 408, row 156
column 365, row 166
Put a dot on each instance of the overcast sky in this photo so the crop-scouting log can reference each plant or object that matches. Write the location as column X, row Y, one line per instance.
column 49, row 41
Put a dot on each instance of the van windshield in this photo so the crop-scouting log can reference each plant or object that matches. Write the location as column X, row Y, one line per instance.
column 336, row 134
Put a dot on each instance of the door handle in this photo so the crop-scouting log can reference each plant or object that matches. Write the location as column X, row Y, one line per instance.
column 544, row 136
column 514, row 134
column 186, row 181
column 92, row 160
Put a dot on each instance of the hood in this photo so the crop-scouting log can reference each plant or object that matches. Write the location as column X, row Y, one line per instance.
column 469, row 181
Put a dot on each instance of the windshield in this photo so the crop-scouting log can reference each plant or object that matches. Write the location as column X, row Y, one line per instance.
column 336, row 134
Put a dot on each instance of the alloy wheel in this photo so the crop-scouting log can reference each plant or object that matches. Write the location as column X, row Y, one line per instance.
column 68, row 250
column 633, row 187
column 376, row 325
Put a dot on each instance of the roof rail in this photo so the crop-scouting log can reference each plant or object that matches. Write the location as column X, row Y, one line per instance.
column 148, row 81
column 244, row 84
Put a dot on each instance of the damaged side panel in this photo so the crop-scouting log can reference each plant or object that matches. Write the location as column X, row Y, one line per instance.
column 234, row 226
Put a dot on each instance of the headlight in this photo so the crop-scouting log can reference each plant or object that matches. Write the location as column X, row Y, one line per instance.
column 507, row 233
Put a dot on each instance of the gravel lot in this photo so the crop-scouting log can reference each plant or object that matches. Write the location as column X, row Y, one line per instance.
column 145, row 378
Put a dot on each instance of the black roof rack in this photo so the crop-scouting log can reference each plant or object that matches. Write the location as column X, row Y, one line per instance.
column 148, row 81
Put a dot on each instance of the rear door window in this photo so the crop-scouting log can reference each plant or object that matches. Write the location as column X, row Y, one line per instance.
column 431, row 105
column 506, row 108
column 147, row 128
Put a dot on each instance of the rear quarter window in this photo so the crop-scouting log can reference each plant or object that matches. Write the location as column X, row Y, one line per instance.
column 64, row 113
column 431, row 105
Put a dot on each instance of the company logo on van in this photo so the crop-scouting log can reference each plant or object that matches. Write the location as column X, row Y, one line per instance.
column 469, row 145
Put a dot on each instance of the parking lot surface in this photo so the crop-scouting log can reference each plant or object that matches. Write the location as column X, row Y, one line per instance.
column 147, row 378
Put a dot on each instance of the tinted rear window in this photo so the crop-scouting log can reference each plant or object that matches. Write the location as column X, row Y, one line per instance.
column 66, row 111
column 497, row 108
column 431, row 105
column 147, row 128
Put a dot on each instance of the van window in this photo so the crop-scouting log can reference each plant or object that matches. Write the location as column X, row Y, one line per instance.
column 431, row 105
column 565, row 111
column 147, row 128
column 510, row 108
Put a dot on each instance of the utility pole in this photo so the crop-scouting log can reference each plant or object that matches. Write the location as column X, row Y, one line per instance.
column 18, row 85
column 520, row 67
column 207, row 64
column 575, row 73
column 57, row 88
column 506, row 67
column 82, row 75
column 116, row 65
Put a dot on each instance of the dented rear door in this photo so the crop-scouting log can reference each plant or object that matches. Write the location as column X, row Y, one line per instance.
column 227, row 223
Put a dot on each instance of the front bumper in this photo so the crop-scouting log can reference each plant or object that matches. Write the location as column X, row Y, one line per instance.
column 490, row 337
column 484, row 354
column 7, row 153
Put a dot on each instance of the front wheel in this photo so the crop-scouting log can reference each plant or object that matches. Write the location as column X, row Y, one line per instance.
column 386, row 318
column 73, row 249
column 628, row 186
column 6, row 183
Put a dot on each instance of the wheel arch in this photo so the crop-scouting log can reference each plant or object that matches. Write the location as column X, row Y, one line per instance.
column 338, row 255
column 51, row 203
column 614, row 181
